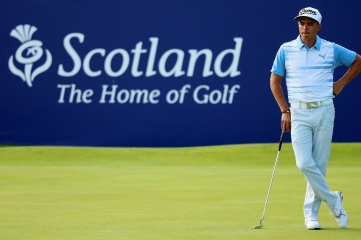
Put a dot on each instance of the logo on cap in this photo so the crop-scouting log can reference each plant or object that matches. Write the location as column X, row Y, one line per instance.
column 307, row 11
column 29, row 52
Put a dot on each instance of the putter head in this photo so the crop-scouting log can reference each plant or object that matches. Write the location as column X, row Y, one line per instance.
column 257, row 227
column 260, row 224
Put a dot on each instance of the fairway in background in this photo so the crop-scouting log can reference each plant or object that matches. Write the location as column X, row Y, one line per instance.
column 167, row 193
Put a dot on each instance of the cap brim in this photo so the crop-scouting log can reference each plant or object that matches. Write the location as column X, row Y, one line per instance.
column 298, row 17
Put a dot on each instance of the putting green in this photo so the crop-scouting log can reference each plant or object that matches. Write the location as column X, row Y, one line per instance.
column 167, row 193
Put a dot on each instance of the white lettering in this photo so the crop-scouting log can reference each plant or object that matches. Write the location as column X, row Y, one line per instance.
column 183, row 92
column 171, row 62
column 111, row 93
column 129, row 96
column 232, row 70
column 62, row 92
column 232, row 92
column 153, row 95
column 193, row 59
column 151, row 59
column 73, row 54
column 195, row 94
column 136, row 96
column 86, row 62
column 75, row 94
column 177, row 68
column 215, row 96
column 137, row 52
column 109, row 59
column 123, row 96
column 174, row 95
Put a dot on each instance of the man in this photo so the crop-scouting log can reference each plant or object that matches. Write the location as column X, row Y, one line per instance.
column 308, row 63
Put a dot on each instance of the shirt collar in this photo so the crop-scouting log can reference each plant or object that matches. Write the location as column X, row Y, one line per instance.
column 300, row 44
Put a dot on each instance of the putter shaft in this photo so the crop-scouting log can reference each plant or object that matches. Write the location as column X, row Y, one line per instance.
column 270, row 186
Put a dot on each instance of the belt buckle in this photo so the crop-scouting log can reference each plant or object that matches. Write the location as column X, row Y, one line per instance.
column 312, row 105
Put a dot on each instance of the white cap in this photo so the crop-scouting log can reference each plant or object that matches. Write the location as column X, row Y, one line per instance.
column 310, row 13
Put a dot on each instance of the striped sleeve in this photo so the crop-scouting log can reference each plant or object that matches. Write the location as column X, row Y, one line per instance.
column 279, row 63
column 344, row 56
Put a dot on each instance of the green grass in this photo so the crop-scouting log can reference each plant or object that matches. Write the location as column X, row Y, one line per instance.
column 173, row 193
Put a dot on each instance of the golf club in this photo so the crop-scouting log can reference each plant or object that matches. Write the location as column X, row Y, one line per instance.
column 270, row 185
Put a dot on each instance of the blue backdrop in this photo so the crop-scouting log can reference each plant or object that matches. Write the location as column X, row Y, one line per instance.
column 155, row 73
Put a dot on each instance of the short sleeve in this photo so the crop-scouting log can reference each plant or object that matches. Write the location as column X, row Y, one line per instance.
column 278, row 66
column 344, row 56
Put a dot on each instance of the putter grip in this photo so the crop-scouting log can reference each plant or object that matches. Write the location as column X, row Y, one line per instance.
column 281, row 140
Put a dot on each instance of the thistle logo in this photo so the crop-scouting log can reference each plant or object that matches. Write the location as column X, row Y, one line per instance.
column 29, row 52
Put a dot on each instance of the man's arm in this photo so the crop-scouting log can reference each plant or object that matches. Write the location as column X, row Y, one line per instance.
column 351, row 73
column 275, row 84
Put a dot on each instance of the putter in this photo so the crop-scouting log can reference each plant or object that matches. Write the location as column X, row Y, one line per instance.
column 270, row 185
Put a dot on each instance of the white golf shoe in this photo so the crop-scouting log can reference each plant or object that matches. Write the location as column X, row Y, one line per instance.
column 339, row 212
column 312, row 224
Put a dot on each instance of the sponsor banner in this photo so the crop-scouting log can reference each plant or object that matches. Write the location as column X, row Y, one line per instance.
column 146, row 73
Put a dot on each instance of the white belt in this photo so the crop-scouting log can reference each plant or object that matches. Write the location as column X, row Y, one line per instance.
column 309, row 105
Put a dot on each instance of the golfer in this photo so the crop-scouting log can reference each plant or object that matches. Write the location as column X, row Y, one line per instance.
column 308, row 63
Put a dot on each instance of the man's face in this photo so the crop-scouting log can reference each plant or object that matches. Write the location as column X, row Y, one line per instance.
column 308, row 28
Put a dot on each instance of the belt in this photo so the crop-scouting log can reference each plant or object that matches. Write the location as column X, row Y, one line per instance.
column 309, row 105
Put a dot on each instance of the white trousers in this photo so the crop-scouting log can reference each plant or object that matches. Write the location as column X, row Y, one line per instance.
column 311, row 134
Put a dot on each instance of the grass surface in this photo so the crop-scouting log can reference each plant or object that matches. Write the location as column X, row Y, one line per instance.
column 173, row 193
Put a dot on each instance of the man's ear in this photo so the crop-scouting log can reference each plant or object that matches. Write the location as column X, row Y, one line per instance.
column 319, row 26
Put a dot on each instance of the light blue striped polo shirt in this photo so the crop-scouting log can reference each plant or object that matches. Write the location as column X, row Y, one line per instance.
column 309, row 71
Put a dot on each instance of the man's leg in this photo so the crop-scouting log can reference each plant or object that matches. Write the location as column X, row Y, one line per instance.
column 303, row 122
column 311, row 204
column 321, row 148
